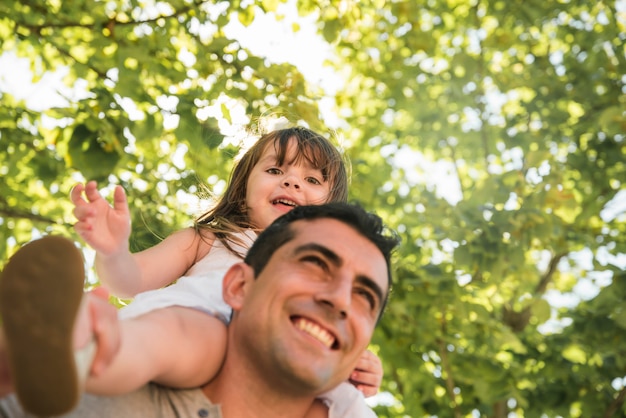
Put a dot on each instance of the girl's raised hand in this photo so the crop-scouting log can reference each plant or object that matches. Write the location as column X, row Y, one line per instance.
column 368, row 374
column 104, row 227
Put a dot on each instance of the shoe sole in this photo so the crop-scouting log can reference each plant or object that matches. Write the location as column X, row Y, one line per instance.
column 40, row 293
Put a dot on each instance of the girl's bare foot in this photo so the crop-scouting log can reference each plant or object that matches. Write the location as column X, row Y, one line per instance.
column 41, row 288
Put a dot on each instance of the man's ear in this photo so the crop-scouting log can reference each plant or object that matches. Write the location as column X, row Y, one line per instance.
column 236, row 283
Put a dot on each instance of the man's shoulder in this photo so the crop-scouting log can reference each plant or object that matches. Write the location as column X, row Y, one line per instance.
column 155, row 401
column 150, row 400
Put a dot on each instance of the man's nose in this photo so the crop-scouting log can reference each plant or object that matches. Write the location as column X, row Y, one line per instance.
column 337, row 296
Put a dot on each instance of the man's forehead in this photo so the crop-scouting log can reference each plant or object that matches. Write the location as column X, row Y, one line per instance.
column 342, row 239
column 325, row 229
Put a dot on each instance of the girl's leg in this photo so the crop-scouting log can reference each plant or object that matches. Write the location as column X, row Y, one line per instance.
column 175, row 346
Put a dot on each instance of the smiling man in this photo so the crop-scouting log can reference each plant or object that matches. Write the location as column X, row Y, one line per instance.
column 305, row 303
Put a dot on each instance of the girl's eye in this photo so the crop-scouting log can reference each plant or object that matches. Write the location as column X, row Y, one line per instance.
column 313, row 180
column 273, row 170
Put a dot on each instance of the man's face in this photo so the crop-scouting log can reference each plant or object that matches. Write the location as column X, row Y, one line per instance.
column 311, row 312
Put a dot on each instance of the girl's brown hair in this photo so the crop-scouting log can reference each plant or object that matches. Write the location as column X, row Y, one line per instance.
column 230, row 214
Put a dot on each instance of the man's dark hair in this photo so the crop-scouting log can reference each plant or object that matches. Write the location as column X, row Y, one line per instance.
column 367, row 224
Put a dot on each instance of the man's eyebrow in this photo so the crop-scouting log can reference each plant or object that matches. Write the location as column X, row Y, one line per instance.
column 337, row 261
column 327, row 252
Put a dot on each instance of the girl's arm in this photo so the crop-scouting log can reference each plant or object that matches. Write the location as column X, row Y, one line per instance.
column 127, row 274
column 107, row 228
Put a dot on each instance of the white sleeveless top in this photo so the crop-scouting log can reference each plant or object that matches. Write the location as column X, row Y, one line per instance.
column 200, row 288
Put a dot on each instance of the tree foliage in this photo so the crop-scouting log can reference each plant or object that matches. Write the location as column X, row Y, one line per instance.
column 489, row 133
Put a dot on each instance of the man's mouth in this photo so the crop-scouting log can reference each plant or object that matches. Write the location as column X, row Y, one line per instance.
column 315, row 331
column 285, row 202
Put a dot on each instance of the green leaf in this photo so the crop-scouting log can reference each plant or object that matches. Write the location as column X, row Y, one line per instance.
column 87, row 154
column 541, row 310
column 270, row 5
column 226, row 113
column 331, row 30
column 575, row 354
column 246, row 16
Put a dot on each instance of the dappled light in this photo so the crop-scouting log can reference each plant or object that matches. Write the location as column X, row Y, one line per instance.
column 491, row 134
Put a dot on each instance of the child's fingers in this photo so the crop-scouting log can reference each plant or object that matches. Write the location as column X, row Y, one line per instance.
column 119, row 199
column 91, row 191
column 368, row 354
column 101, row 292
column 76, row 195
column 82, row 212
column 369, row 362
column 369, row 365
column 368, row 373
column 366, row 378
column 367, row 390
column 82, row 229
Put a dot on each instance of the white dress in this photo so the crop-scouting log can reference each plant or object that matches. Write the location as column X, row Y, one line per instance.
column 201, row 289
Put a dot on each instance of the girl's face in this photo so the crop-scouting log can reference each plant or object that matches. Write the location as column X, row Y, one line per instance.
column 273, row 190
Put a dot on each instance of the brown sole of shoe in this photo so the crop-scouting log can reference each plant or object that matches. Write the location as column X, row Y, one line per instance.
column 40, row 293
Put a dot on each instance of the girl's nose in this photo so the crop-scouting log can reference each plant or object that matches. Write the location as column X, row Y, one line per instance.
column 291, row 181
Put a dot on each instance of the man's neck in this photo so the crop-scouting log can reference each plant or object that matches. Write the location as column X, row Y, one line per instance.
column 242, row 394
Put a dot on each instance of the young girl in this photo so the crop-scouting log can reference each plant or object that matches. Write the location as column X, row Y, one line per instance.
column 176, row 335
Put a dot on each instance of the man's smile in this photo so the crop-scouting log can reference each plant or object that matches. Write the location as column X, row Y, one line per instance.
column 316, row 331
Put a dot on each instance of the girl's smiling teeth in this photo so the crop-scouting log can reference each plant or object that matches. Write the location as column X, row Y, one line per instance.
column 315, row 331
column 285, row 202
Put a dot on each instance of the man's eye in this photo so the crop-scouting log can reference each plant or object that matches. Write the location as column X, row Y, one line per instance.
column 367, row 296
column 315, row 260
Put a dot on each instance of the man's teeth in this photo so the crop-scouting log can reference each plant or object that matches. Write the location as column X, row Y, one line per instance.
column 286, row 202
column 316, row 332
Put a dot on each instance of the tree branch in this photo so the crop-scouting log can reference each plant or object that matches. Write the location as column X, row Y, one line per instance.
column 445, row 363
column 517, row 321
column 68, row 54
column 500, row 410
column 448, row 379
column 12, row 213
column 110, row 22
column 456, row 170
column 541, row 287
column 398, row 380
column 616, row 404
column 484, row 138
